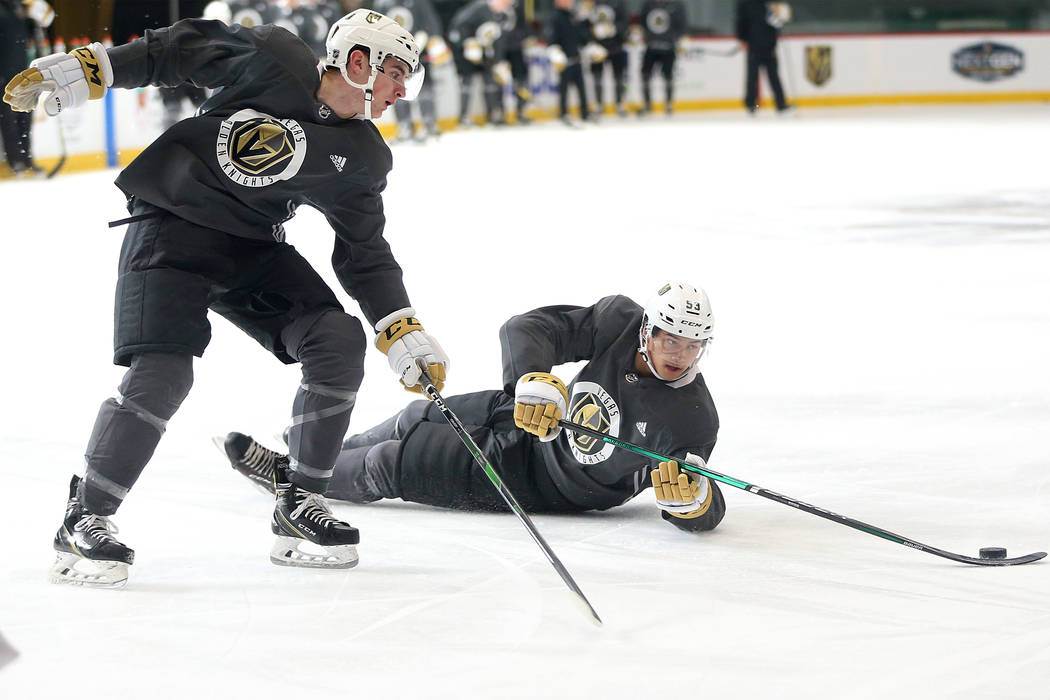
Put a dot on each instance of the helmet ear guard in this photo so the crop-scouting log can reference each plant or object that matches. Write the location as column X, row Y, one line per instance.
column 682, row 310
column 382, row 38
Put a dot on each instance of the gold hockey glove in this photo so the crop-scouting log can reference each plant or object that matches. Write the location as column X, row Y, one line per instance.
column 405, row 344
column 677, row 493
column 69, row 79
column 540, row 401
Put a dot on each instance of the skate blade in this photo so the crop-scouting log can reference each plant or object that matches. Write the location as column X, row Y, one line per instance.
column 75, row 570
column 265, row 486
column 292, row 551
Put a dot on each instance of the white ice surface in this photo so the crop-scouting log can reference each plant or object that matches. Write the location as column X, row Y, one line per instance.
column 881, row 288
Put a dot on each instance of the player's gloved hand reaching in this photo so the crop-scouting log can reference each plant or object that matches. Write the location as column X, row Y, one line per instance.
column 678, row 493
column 405, row 343
column 540, row 401
column 71, row 79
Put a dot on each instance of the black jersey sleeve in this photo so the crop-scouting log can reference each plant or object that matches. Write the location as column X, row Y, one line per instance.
column 206, row 53
column 537, row 340
column 362, row 259
column 708, row 521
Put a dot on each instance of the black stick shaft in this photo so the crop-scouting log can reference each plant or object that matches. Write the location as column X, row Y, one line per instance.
column 800, row 505
column 432, row 393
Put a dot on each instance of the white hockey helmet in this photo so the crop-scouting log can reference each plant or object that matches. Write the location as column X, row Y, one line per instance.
column 383, row 37
column 680, row 309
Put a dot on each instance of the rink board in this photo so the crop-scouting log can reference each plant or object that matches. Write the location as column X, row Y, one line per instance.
column 816, row 70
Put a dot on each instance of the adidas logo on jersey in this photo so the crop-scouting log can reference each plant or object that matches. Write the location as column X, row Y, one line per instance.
column 641, row 428
column 338, row 162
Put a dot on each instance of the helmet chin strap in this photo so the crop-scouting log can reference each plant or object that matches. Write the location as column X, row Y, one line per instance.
column 366, row 88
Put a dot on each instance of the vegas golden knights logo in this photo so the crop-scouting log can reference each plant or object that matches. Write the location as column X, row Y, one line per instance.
column 588, row 413
column 818, row 64
column 373, row 17
column 256, row 150
column 259, row 145
column 592, row 406
column 658, row 21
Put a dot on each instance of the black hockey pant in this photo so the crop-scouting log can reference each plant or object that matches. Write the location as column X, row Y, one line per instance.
column 759, row 57
column 171, row 272
column 417, row 456
column 665, row 58
column 493, row 93
column 572, row 75
column 618, row 63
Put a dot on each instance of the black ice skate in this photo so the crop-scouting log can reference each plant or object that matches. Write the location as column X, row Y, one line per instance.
column 307, row 532
column 251, row 459
column 88, row 554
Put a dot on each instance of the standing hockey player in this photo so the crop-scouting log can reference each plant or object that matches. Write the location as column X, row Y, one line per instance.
column 641, row 383
column 663, row 25
column 513, row 69
column 474, row 33
column 420, row 18
column 757, row 27
column 208, row 201
column 609, row 24
column 566, row 34
column 19, row 22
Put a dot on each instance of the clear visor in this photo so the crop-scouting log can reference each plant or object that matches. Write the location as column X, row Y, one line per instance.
column 398, row 71
column 675, row 345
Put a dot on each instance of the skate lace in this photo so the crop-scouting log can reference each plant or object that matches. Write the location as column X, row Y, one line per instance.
column 315, row 508
column 97, row 526
column 259, row 459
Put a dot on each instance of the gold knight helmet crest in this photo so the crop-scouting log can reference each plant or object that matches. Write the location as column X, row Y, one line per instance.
column 373, row 17
column 818, row 64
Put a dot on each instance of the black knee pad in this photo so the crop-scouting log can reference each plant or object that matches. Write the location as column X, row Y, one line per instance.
column 331, row 347
column 158, row 382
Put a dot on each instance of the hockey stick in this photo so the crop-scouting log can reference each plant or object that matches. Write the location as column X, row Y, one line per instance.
column 62, row 149
column 704, row 51
column 800, row 505
column 432, row 393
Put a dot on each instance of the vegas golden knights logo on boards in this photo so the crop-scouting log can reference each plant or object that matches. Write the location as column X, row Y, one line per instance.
column 592, row 406
column 818, row 64
column 256, row 150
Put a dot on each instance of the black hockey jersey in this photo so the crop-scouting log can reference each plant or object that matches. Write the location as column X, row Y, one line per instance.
column 477, row 21
column 752, row 24
column 610, row 21
column 608, row 395
column 568, row 31
column 663, row 22
column 414, row 15
column 261, row 146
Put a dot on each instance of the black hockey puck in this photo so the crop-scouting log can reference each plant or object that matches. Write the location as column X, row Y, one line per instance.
column 993, row 552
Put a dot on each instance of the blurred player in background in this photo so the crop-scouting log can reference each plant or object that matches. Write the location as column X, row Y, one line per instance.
column 758, row 25
column 609, row 23
column 641, row 383
column 209, row 199
column 566, row 33
column 513, row 68
column 420, row 18
column 20, row 30
column 474, row 33
column 663, row 26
